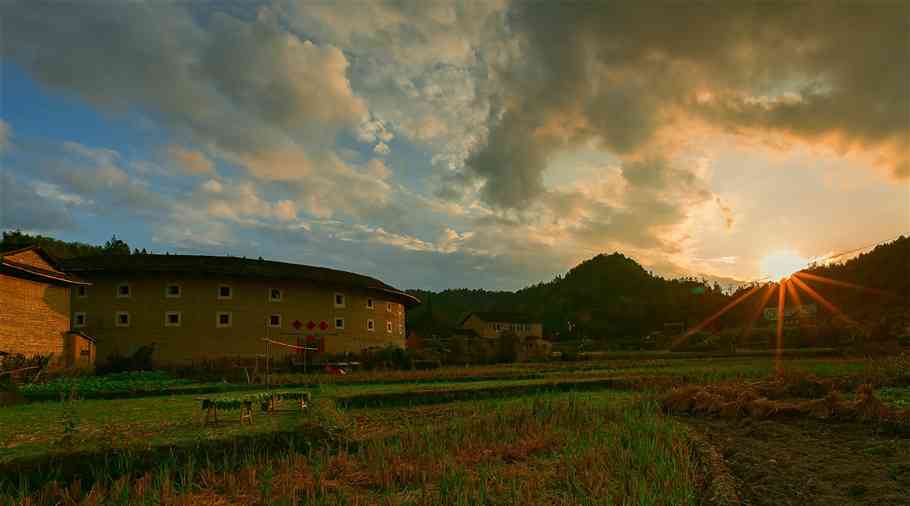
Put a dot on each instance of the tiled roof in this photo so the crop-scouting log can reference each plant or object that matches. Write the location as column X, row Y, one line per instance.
column 28, row 271
column 230, row 266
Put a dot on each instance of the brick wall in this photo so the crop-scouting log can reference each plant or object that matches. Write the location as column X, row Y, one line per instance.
column 34, row 316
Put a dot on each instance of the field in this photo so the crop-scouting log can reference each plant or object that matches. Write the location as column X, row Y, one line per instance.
column 595, row 432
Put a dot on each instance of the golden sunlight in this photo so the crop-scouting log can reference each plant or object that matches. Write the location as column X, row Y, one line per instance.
column 782, row 264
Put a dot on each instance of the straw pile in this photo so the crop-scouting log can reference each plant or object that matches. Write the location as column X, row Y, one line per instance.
column 743, row 401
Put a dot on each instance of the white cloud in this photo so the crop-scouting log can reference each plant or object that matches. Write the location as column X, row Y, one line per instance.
column 52, row 191
column 212, row 186
column 382, row 149
column 277, row 114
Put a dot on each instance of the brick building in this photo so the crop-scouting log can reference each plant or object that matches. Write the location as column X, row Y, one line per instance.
column 194, row 308
column 35, row 309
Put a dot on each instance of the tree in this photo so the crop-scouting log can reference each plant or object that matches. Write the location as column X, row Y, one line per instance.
column 116, row 247
column 16, row 239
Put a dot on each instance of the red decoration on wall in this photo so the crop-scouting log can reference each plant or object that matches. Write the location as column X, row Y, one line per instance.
column 311, row 325
column 297, row 324
column 323, row 325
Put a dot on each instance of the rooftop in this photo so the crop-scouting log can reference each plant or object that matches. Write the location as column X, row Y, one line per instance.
column 229, row 266
column 9, row 265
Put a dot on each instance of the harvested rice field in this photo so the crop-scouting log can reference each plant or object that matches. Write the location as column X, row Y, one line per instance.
column 687, row 431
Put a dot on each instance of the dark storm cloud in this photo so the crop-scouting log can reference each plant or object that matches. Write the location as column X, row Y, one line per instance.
column 623, row 73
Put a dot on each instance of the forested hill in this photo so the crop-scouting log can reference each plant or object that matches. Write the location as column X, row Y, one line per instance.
column 867, row 288
column 607, row 297
column 884, row 272
column 887, row 267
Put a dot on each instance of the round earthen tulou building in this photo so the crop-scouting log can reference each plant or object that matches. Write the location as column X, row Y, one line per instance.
column 195, row 308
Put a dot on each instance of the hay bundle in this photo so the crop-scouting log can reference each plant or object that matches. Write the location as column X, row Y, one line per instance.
column 679, row 400
column 748, row 395
column 761, row 408
column 787, row 409
column 707, row 403
column 827, row 407
column 867, row 406
column 732, row 409
column 728, row 392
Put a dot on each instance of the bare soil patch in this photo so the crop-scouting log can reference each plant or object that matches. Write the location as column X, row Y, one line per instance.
column 811, row 462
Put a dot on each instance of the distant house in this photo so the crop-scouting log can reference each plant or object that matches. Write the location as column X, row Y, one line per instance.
column 493, row 324
column 35, row 316
column 486, row 330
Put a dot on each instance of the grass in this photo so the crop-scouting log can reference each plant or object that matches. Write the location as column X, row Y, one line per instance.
column 133, row 437
column 896, row 397
column 31, row 430
column 552, row 449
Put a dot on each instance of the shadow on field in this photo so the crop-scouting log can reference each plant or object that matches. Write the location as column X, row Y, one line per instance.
column 811, row 462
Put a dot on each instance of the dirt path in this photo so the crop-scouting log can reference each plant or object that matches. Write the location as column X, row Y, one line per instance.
column 808, row 462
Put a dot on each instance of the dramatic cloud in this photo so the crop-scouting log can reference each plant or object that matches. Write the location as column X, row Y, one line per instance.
column 633, row 77
column 422, row 65
column 246, row 89
column 472, row 142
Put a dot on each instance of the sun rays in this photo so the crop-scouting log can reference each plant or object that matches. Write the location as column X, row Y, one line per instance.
column 789, row 289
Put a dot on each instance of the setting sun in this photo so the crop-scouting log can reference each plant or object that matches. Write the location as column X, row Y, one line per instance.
column 781, row 264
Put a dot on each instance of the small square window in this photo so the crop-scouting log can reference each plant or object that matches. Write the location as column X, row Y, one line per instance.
column 275, row 295
column 369, row 303
column 173, row 291
column 223, row 320
column 123, row 319
column 339, row 300
column 388, row 327
column 225, row 292
column 81, row 291
column 370, row 325
column 275, row 320
column 79, row 320
column 123, row 291
column 339, row 323
column 172, row 319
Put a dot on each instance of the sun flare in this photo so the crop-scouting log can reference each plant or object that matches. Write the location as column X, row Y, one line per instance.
column 782, row 264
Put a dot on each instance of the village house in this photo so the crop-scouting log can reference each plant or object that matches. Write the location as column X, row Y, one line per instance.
column 194, row 308
column 486, row 330
column 35, row 315
column 493, row 324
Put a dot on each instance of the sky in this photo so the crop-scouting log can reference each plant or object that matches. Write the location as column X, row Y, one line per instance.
column 480, row 144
